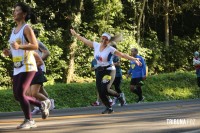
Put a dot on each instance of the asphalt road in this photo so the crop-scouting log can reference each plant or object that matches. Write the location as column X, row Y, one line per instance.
column 157, row 117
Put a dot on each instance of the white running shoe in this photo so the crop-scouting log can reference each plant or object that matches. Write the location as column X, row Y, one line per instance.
column 35, row 111
column 45, row 105
column 52, row 104
column 27, row 124
column 115, row 100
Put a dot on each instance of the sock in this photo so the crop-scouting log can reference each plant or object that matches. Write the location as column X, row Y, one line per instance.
column 139, row 90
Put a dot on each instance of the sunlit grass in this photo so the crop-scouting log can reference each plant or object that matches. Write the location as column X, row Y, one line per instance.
column 163, row 87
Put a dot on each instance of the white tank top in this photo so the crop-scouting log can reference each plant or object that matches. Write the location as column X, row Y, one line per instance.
column 24, row 56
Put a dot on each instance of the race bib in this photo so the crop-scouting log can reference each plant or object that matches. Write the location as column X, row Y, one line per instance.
column 107, row 77
column 17, row 59
column 133, row 66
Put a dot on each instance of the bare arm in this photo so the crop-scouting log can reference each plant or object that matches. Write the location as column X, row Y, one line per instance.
column 84, row 40
column 45, row 51
column 32, row 45
column 38, row 59
column 122, row 55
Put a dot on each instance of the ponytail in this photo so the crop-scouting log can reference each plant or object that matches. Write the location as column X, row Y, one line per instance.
column 32, row 18
column 116, row 38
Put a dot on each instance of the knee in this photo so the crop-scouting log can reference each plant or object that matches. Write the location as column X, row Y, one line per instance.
column 34, row 94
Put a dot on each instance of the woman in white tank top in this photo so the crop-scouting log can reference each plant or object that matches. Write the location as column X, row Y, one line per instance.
column 24, row 63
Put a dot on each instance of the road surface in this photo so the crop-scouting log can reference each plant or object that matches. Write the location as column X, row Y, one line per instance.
column 181, row 116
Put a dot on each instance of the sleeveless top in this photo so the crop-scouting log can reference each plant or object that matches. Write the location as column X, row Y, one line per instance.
column 26, row 57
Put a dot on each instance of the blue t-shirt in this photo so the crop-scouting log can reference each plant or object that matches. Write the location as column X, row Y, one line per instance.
column 137, row 71
column 118, row 68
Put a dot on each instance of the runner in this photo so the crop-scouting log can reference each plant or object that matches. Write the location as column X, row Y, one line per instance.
column 40, row 92
column 138, row 75
column 24, row 63
column 196, row 63
column 118, row 77
column 103, row 53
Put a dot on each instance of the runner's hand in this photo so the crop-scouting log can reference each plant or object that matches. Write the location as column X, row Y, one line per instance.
column 15, row 45
column 137, row 61
column 73, row 32
column 6, row 52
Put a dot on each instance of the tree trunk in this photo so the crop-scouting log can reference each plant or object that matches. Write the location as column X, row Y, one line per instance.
column 76, row 21
column 166, row 17
column 71, row 68
column 139, row 21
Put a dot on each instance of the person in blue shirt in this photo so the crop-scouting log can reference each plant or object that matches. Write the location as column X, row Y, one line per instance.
column 118, row 76
column 138, row 75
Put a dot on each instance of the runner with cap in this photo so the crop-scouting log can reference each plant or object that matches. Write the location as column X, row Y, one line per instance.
column 103, row 53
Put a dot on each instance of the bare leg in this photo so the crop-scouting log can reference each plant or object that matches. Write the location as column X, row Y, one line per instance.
column 35, row 92
column 43, row 91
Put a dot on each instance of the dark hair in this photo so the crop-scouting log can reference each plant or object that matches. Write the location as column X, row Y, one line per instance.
column 26, row 9
column 37, row 32
column 135, row 49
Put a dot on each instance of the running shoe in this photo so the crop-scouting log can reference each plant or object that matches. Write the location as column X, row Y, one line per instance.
column 45, row 105
column 110, row 101
column 35, row 111
column 95, row 103
column 121, row 100
column 52, row 105
column 115, row 100
column 27, row 124
column 108, row 111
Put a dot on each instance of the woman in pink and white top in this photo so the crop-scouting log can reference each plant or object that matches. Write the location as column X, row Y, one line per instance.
column 103, row 53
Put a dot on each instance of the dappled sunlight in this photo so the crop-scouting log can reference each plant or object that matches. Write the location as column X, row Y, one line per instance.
column 178, row 93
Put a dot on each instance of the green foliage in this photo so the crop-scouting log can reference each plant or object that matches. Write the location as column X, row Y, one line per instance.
column 93, row 17
column 163, row 87
column 178, row 56
column 55, row 64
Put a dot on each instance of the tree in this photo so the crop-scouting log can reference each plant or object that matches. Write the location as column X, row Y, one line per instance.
column 166, row 18
column 141, row 12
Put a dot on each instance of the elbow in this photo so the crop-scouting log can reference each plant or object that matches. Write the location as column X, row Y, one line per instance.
column 34, row 46
column 48, row 53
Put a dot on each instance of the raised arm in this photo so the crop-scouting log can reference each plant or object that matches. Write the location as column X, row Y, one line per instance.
column 84, row 40
column 122, row 55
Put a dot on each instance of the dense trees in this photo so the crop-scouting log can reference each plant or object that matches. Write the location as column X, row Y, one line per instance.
column 165, row 31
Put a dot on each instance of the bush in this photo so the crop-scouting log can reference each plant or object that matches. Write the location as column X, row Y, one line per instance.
column 163, row 87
